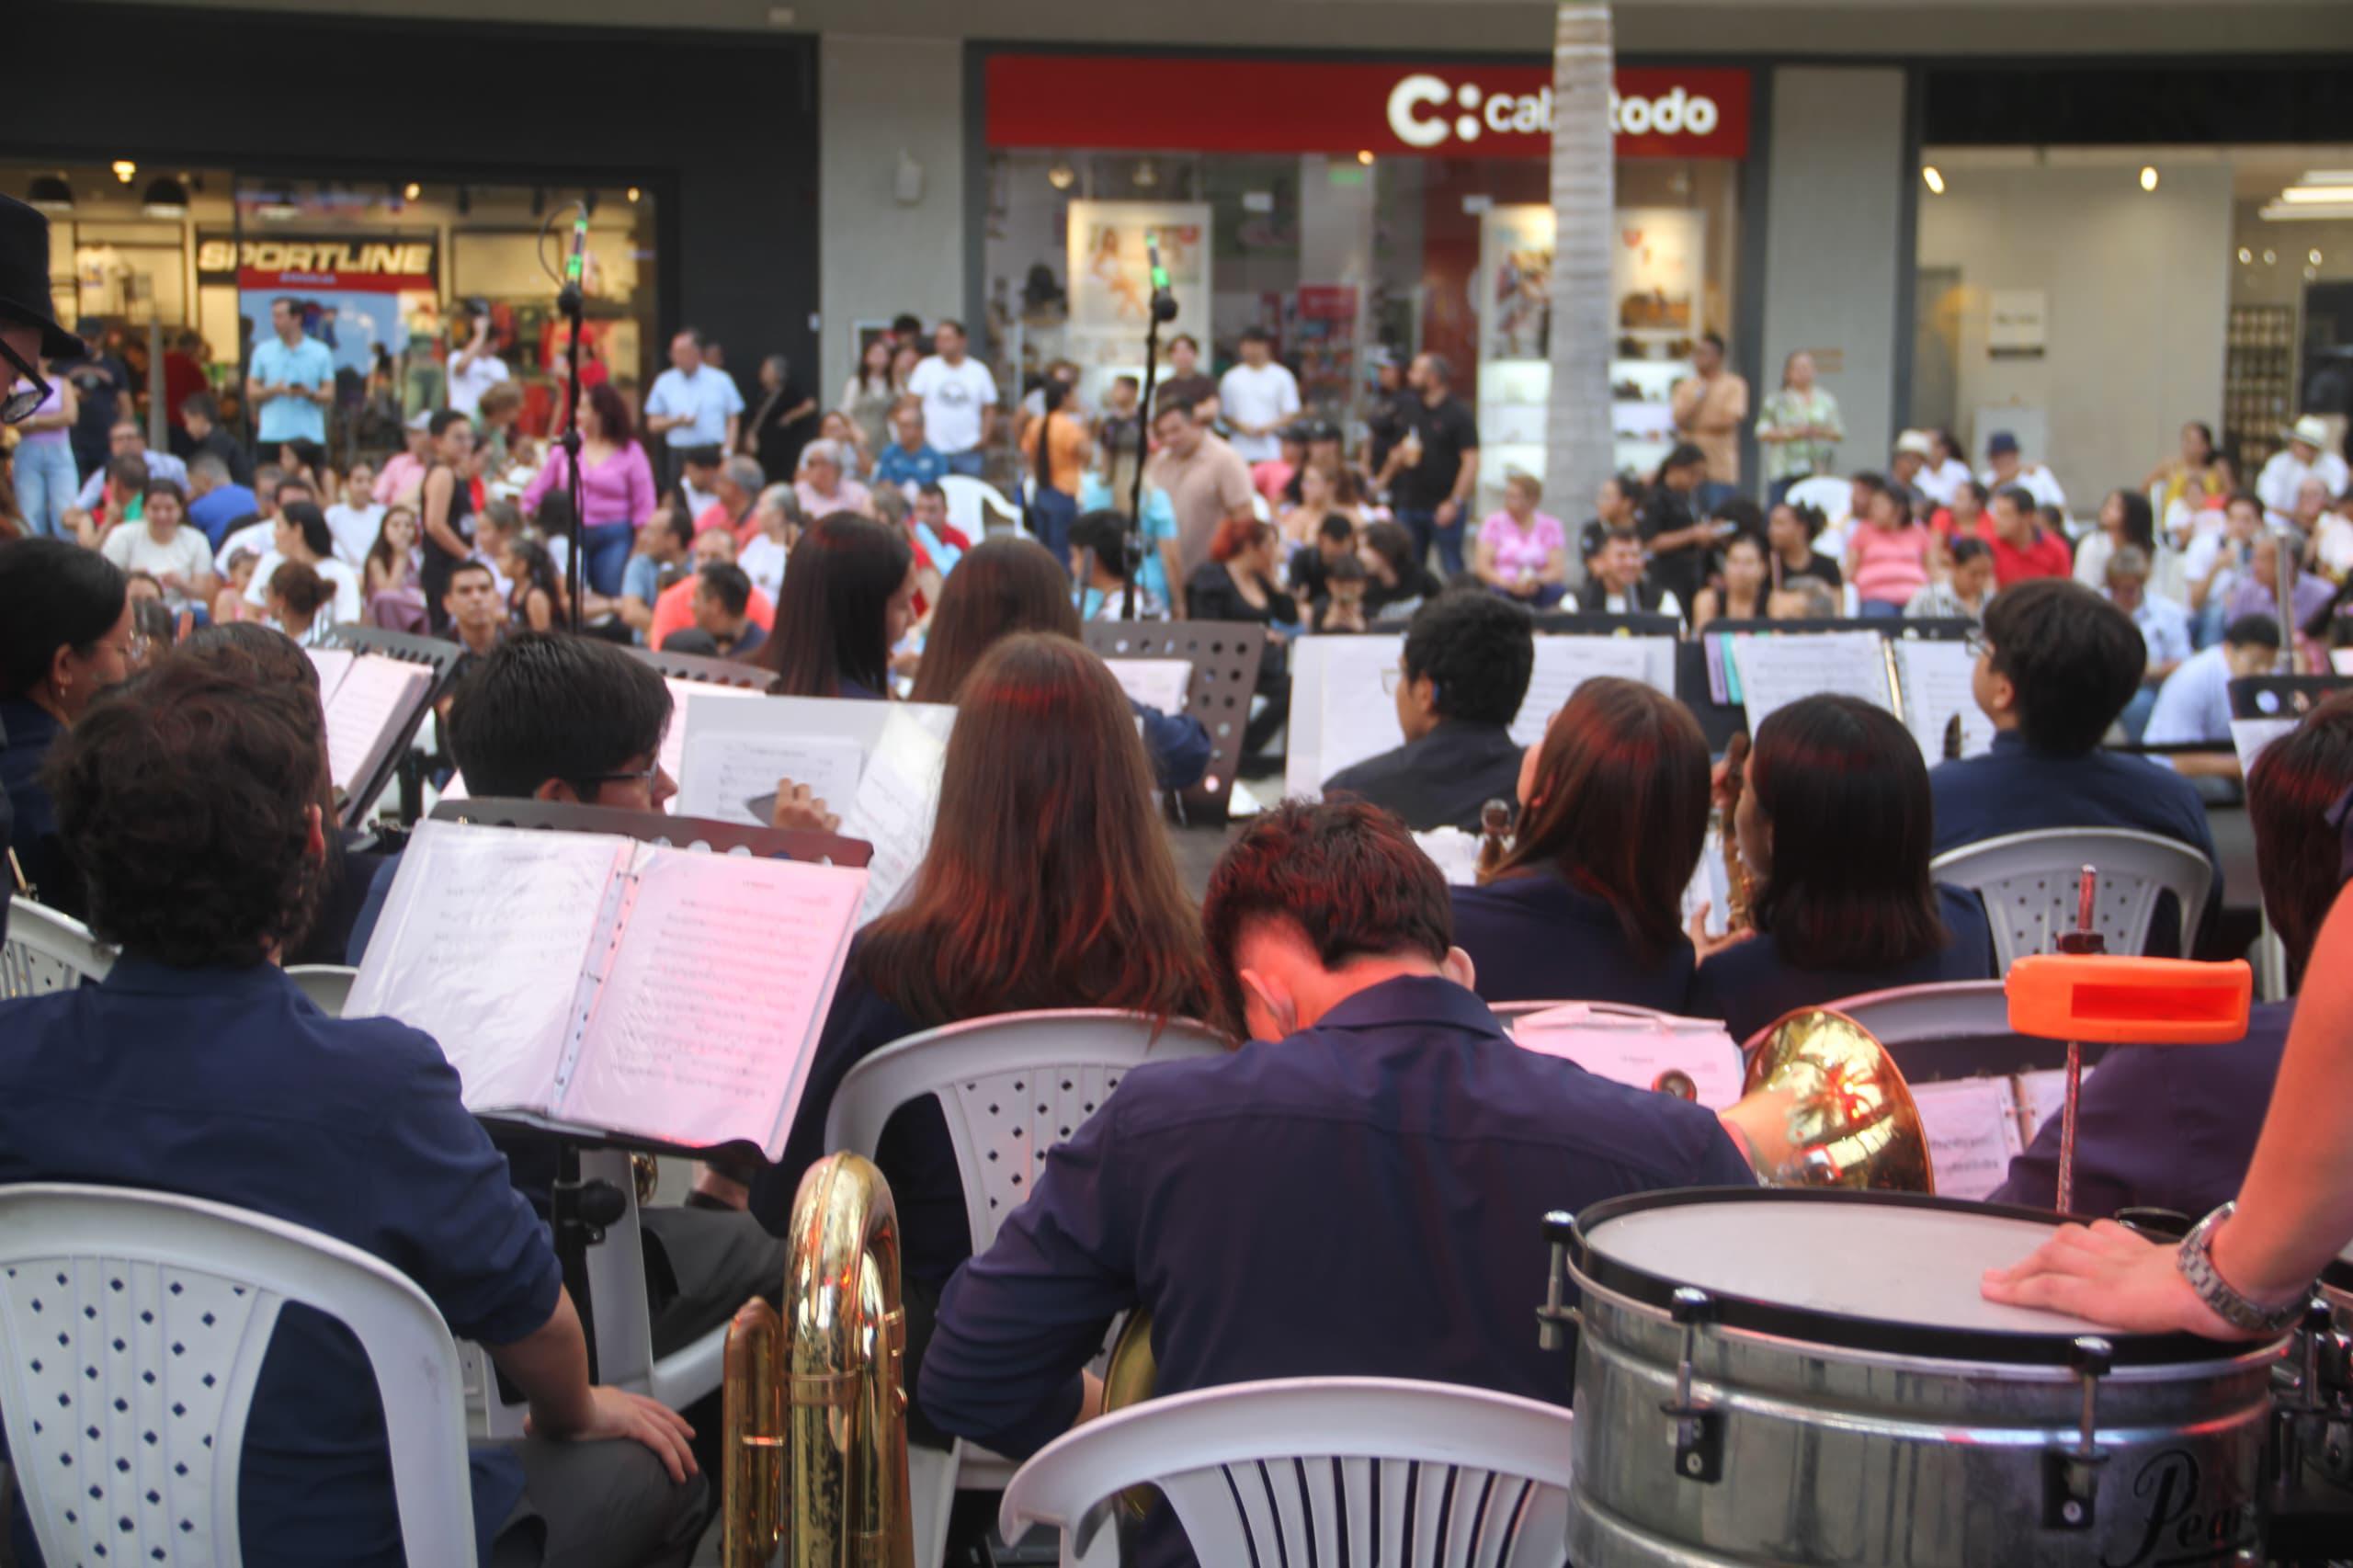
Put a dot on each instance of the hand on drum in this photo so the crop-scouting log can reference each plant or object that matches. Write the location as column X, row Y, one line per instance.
column 2111, row 1276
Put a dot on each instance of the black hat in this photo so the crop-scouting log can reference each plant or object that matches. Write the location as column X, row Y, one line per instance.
column 23, row 278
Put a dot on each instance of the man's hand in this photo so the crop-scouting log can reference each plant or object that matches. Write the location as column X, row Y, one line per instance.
column 616, row 1413
column 1448, row 511
column 2111, row 1276
column 797, row 807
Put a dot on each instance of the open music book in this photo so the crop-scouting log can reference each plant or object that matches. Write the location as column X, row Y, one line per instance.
column 731, row 753
column 369, row 700
column 591, row 980
column 1927, row 684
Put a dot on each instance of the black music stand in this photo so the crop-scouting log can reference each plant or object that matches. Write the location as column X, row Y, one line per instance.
column 1226, row 656
column 1721, row 720
column 712, row 672
column 439, row 656
column 1596, row 623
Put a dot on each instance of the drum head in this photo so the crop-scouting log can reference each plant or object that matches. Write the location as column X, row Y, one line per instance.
column 1888, row 1272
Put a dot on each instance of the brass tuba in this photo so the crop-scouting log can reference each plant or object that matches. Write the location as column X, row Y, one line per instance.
column 819, row 1391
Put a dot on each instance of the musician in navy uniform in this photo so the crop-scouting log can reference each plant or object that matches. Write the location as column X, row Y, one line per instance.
column 2173, row 1127
column 1358, row 1192
column 189, row 802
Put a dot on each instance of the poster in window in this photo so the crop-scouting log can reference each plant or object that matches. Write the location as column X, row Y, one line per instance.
column 1110, row 282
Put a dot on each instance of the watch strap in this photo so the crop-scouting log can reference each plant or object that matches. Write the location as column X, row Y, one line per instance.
column 2194, row 1260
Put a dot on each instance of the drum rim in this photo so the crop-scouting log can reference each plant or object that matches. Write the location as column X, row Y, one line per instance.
column 1847, row 1331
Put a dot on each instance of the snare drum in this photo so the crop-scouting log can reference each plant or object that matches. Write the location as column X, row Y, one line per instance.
column 1772, row 1376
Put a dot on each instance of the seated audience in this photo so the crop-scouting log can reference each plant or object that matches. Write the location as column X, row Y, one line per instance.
column 1587, row 906
column 1048, row 883
column 909, row 462
column 165, row 547
column 1207, row 1190
column 1342, row 606
column 1963, row 516
column 2006, row 468
column 739, row 485
column 1237, row 584
column 215, row 505
column 1670, row 531
column 1619, row 585
column 538, row 599
column 777, row 525
column 934, row 534
column 1321, row 491
column 2217, row 560
column 2257, row 589
column 658, row 561
column 2165, row 631
column 2193, row 706
column 2163, row 1127
column 823, row 486
column 1098, row 566
column 258, row 533
column 2023, row 548
column 2055, row 666
column 1802, row 599
column 723, row 628
column 1741, row 592
column 1887, row 552
column 355, row 520
column 1309, row 569
column 301, row 534
column 1834, row 822
column 1458, row 684
column 1400, row 581
column 65, row 636
column 1520, row 552
column 1968, row 583
column 296, row 598
column 848, row 597
column 1789, row 533
column 2125, row 518
column 389, row 565
column 191, row 804
column 674, row 608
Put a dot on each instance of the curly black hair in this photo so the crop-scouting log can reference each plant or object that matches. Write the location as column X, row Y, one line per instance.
column 184, row 798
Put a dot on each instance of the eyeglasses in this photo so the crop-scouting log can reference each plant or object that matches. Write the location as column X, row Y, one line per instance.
column 646, row 776
column 1389, row 680
column 19, row 405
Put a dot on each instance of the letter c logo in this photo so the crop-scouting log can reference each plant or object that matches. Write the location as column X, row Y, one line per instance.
column 1413, row 92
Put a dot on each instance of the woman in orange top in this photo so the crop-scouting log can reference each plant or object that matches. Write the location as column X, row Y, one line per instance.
column 1056, row 445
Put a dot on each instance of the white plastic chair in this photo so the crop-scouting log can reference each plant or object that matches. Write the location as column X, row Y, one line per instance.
column 132, row 1328
column 2029, row 881
column 48, row 951
column 976, row 507
column 1010, row 1087
column 1957, row 1009
column 1320, row 1470
column 1832, row 497
column 326, row 984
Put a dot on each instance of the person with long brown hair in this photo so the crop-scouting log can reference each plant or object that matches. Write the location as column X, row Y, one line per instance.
column 848, row 597
column 1587, row 906
column 1049, row 883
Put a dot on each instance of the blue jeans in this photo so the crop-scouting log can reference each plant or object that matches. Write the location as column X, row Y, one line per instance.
column 968, row 463
column 1878, row 609
column 1050, row 516
column 2135, row 717
column 46, row 485
column 1425, row 529
column 606, row 547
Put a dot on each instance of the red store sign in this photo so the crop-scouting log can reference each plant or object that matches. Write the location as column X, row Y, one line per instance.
column 1145, row 103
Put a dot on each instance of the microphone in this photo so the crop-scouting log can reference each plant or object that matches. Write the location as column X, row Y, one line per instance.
column 571, row 265
column 1164, row 302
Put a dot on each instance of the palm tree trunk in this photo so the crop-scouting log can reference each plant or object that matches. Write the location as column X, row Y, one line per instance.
column 1578, row 442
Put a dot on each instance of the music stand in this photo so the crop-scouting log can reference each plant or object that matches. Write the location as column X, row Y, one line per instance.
column 439, row 656
column 712, row 672
column 1597, row 623
column 1721, row 720
column 1226, row 656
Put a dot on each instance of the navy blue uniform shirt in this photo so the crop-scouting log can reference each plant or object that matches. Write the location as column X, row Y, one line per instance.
column 2162, row 1126
column 1535, row 938
column 31, row 732
column 1180, row 744
column 1749, row 984
column 1444, row 780
column 1363, row 1199
column 228, row 1085
column 2016, row 788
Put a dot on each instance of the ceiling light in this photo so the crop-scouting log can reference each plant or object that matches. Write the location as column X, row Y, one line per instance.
column 411, row 191
column 2148, row 177
column 1365, row 158
column 1933, row 178
column 51, row 194
column 1147, row 174
column 2270, row 258
column 2287, row 212
column 2246, row 255
column 165, row 197
column 633, row 193
column 124, row 170
column 1061, row 176
column 2313, row 256
column 2301, row 194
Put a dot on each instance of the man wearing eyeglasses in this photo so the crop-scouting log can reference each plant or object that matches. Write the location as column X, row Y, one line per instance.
column 28, row 331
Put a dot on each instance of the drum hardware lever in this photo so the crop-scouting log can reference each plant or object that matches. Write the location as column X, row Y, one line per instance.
column 2081, row 939
column 2295, row 1414
column 2071, row 1476
column 1698, row 1426
column 1559, row 1226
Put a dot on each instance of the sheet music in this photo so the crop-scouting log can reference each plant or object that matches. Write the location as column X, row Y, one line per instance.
column 896, row 803
column 1710, row 884
column 1937, row 683
column 481, row 946
column 1636, row 1051
column 712, row 997
column 1776, row 671
column 724, row 770
column 1455, row 852
column 1973, row 1130
column 332, row 664
column 1565, row 664
column 673, row 752
column 1360, row 719
column 375, row 697
column 2042, row 1096
column 2249, row 736
column 1161, row 684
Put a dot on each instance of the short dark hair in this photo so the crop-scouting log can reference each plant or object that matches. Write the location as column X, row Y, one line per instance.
column 1347, row 569
column 952, row 324
column 2244, row 498
column 255, row 645
column 2021, row 498
column 200, row 405
column 291, row 482
column 1187, row 339
column 183, row 799
column 1335, row 524
column 161, row 486
column 1741, row 513
column 2253, row 632
column 932, row 487
column 1714, row 340
column 907, row 321
column 1974, row 489
column 1165, row 404
column 1103, row 534
column 729, row 589
column 547, row 705
column 438, row 425
column 2299, row 855
column 53, row 593
column 1347, row 875
column 129, row 473
column 312, row 524
column 1843, row 783
column 1969, row 548
column 1478, row 652
column 2075, row 658
column 1875, row 483
column 1254, row 334
column 681, row 526
column 705, row 456
column 462, row 567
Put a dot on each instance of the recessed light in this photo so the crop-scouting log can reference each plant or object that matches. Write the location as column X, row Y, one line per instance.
column 1933, row 178
column 2148, row 177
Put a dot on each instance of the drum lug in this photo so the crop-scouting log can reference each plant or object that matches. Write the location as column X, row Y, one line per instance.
column 2071, row 1476
column 1554, row 1320
column 1697, row 1426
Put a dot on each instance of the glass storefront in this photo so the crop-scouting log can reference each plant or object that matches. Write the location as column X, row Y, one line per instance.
column 1351, row 210
column 177, row 268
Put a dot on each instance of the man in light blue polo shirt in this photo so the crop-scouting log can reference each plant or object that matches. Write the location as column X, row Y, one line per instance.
column 692, row 404
column 291, row 380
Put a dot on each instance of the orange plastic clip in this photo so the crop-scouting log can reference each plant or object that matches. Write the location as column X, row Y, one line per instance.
column 2120, row 1000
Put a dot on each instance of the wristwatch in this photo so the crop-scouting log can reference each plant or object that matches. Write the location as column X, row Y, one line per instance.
column 2195, row 1262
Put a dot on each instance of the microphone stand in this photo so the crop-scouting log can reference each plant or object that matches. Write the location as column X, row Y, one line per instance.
column 1164, row 309
column 572, row 304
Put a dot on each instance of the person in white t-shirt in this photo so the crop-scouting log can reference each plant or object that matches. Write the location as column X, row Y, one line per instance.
column 776, row 517
column 165, row 547
column 2306, row 455
column 302, row 535
column 258, row 535
column 474, row 370
column 1257, row 398
column 959, row 400
column 2004, row 468
column 355, row 519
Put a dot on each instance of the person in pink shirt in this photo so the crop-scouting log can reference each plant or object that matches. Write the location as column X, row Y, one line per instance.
column 1520, row 552
column 738, row 489
column 403, row 475
column 1887, row 560
column 616, row 485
